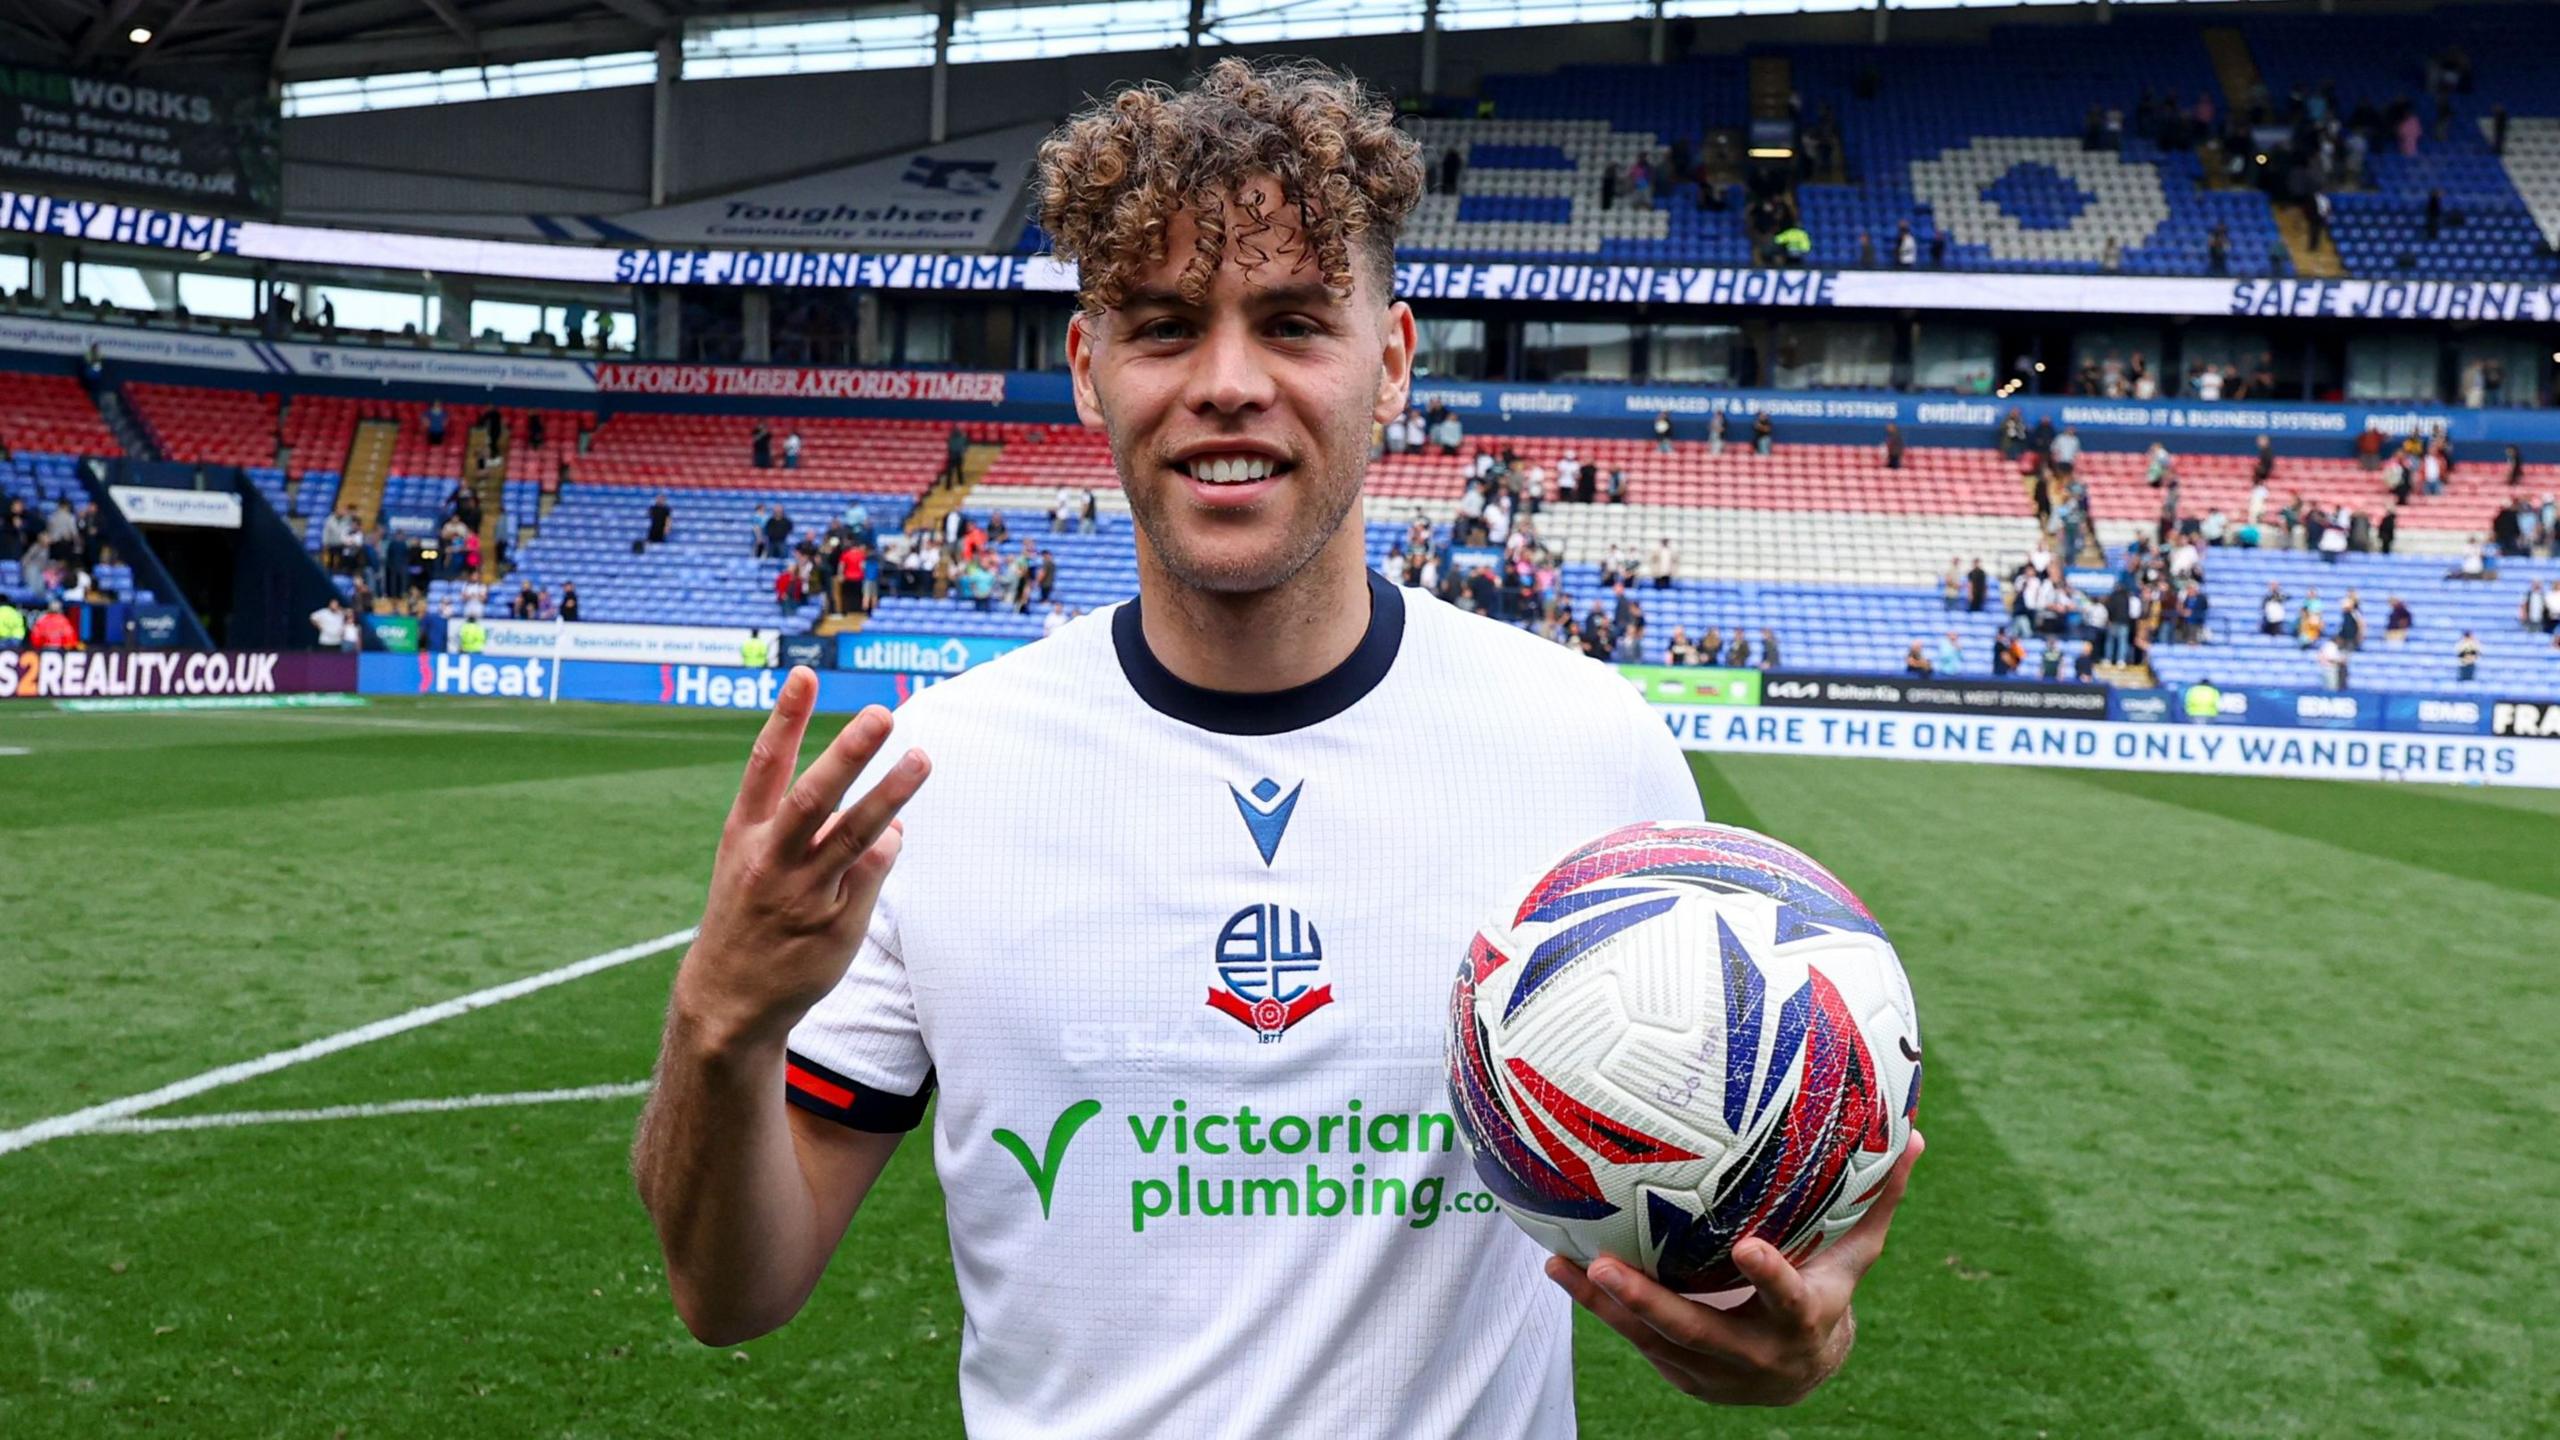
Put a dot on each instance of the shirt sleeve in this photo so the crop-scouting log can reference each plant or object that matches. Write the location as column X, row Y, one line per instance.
column 858, row 1057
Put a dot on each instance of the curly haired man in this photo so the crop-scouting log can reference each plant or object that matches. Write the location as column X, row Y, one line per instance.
column 1249, row 1214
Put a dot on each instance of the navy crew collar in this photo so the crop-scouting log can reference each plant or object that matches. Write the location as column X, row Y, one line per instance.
column 1271, row 712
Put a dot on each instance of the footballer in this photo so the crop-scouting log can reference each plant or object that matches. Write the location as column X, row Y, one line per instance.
column 1168, row 935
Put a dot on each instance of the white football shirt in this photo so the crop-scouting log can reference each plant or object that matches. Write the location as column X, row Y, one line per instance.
column 1179, row 964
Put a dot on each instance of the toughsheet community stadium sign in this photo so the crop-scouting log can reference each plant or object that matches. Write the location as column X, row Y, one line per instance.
column 86, row 674
column 200, row 141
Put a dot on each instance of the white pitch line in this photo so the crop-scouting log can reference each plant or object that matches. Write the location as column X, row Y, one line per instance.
column 233, row 1118
column 131, row 1105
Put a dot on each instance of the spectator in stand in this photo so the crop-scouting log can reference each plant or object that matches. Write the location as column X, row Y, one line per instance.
column 533, row 430
column 2515, row 467
column 2051, row 658
column 2369, row 448
column 1915, row 661
column 53, row 630
column 1662, row 564
column 329, row 622
column 1045, row 574
column 1763, row 434
column 2084, row 662
column 2466, row 657
column 1737, row 650
column 2066, row 450
column 2007, row 655
column 1950, row 655
column 1682, row 650
column 2011, row 437
column 2217, row 250
column 1446, row 432
column 1906, row 246
column 569, row 600
column 1951, row 586
column 760, row 447
column 528, row 602
column 662, row 521
column 475, row 599
column 1768, row 649
column 1617, row 483
column 449, row 539
column 777, row 534
column 1892, row 446
column 2271, row 610
column 955, row 451
column 791, row 449
column 1092, row 513
column 2395, row 630
column 435, row 422
column 1977, row 587
column 1662, row 432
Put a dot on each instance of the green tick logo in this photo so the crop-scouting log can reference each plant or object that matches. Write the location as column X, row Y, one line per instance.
column 1062, row 1132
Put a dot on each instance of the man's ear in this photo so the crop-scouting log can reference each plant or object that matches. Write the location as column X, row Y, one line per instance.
column 1080, row 369
column 1395, row 371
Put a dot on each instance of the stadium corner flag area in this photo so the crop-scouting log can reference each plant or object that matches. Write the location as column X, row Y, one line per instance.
column 1183, row 720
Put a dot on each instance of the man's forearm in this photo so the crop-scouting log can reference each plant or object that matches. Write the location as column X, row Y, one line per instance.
column 720, row 1176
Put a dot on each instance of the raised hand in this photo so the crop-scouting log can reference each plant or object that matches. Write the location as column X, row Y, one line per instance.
column 1774, row 1348
column 796, row 878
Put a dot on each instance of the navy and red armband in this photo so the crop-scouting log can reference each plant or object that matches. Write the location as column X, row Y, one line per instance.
column 831, row 1096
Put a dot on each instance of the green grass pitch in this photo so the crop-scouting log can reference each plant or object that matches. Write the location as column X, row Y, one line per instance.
column 2241, row 1098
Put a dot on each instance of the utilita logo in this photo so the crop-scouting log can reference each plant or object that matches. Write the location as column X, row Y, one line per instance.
column 921, row 657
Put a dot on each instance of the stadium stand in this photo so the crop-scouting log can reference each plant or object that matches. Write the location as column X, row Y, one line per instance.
column 51, row 414
column 1985, row 143
column 2510, row 655
column 873, row 457
column 2350, row 65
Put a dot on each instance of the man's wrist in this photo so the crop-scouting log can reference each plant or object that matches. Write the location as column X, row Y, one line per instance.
column 714, row 1029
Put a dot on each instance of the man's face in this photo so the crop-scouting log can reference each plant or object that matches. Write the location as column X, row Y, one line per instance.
column 1240, row 426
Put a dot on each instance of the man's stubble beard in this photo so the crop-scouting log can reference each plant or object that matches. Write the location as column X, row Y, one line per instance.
column 1150, row 505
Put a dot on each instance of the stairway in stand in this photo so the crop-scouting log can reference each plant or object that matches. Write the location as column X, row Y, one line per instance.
column 136, row 438
column 484, row 469
column 939, row 502
column 368, row 465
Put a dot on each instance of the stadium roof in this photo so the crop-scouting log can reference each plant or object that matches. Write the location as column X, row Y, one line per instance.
column 302, row 40
column 299, row 39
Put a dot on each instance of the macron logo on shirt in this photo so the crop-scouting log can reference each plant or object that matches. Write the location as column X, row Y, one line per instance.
column 1266, row 813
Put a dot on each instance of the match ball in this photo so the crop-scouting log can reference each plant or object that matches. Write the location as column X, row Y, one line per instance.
column 1681, row 1036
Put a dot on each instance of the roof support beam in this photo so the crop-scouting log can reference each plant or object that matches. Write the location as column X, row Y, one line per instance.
column 453, row 21
column 111, row 22
column 284, row 36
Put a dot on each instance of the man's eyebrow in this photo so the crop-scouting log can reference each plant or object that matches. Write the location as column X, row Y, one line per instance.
column 1154, row 299
column 1309, row 294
